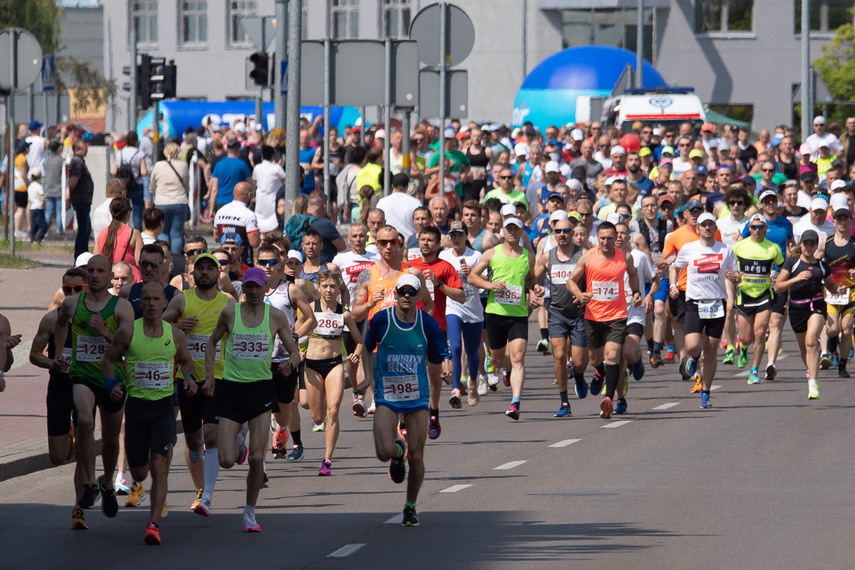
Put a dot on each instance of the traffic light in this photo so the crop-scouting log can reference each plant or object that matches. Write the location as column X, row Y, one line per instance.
column 162, row 79
column 260, row 73
column 142, row 82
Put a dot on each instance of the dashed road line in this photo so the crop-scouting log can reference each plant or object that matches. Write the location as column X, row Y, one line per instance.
column 715, row 387
column 345, row 550
column 511, row 464
column 617, row 424
column 397, row 519
column 667, row 406
column 565, row 443
column 455, row 488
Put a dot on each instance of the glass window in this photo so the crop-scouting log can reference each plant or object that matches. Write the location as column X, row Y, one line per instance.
column 345, row 19
column 144, row 16
column 396, row 18
column 611, row 26
column 825, row 15
column 194, row 22
column 724, row 15
column 239, row 9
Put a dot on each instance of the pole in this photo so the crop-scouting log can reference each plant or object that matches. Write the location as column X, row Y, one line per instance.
column 443, row 88
column 10, row 180
column 281, row 55
column 292, row 147
column 523, row 38
column 31, row 102
column 327, row 103
column 387, row 120
column 805, row 90
column 155, row 133
column 259, row 100
column 132, row 101
column 405, row 148
column 45, row 110
column 57, row 101
column 639, row 47
column 10, row 161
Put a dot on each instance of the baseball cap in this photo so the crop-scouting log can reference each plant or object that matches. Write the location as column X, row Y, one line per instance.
column 240, row 128
column 83, row 259
column 694, row 204
column 517, row 222
column 508, row 210
column 380, row 134
column 819, row 120
column 767, row 193
column 617, row 149
column 749, row 180
column 836, row 185
column 408, row 279
column 644, row 151
column 577, row 134
column 456, row 226
column 520, row 149
column 255, row 275
column 809, row 235
column 555, row 195
column 667, row 161
column 842, row 212
column 614, row 218
column 701, row 169
column 805, row 149
column 706, row 217
column 208, row 256
column 665, row 198
column 552, row 166
column 611, row 179
column 839, row 200
column 294, row 254
column 758, row 218
column 558, row 215
column 22, row 146
column 575, row 184
column 35, row 125
column 696, row 153
column 776, row 140
column 36, row 172
column 668, row 150
column 231, row 238
column 808, row 175
column 819, row 204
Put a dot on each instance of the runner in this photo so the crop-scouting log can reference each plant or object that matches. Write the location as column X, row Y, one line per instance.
column 565, row 314
column 803, row 277
column 506, row 318
column 709, row 263
column 754, row 298
column 246, row 392
column 840, row 256
column 151, row 347
column 406, row 373
column 324, row 367
column 153, row 269
column 605, row 308
column 94, row 316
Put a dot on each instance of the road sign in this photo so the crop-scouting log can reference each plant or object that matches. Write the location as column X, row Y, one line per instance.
column 29, row 60
column 425, row 29
column 48, row 74
column 458, row 93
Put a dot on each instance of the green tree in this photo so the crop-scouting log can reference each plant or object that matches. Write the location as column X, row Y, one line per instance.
column 836, row 65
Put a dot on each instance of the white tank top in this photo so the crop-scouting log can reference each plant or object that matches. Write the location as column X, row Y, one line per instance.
column 281, row 299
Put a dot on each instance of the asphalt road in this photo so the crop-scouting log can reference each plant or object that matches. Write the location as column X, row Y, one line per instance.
column 762, row 480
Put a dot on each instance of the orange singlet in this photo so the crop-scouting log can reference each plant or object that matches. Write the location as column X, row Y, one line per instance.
column 385, row 284
column 605, row 282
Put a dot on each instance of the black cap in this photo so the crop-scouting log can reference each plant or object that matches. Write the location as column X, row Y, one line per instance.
column 842, row 212
column 808, row 175
column 838, row 163
column 400, row 180
column 809, row 235
column 694, row 205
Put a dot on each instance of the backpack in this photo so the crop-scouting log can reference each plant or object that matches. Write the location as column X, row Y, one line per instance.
column 125, row 173
column 296, row 227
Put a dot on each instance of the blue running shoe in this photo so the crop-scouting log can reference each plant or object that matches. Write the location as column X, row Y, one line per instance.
column 638, row 369
column 835, row 360
column 581, row 386
column 621, row 406
column 705, row 400
column 691, row 366
column 597, row 383
column 754, row 377
column 564, row 411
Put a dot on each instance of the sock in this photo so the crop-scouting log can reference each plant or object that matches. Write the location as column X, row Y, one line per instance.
column 295, row 435
column 612, row 377
column 707, row 392
column 770, row 363
column 433, row 412
column 601, row 368
column 399, row 450
column 657, row 347
column 355, row 395
column 212, row 470
column 544, row 334
column 195, row 455
column 409, row 505
column 669, row 346
column 832, row 344
column 247, row 510
column 563, row 395
column 516, row 401
column 650, row 345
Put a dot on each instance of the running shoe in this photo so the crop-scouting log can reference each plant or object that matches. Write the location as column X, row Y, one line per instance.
column 813, row 389
column 698, row 385
column 742, row 358
column 506, row 377
column 835, row 360
column 621, row 406
column 493, row 381
column 474, row 396
column 410, row 517
column 825, row 361
column 434, row 429
column 482, row 385
column 770, row 372
column 454, row 400
column 204, row 507
column 753, row 376
column 728, row 357
column 77, row 520
column 841, row 369
column 296, row 453
column 121, row 485
column 360, row 410
column 705, row 400
column 543, row 346
column 325, row 468
column 371, row 409
column 638, row 370
column 597, row 382
column 464, row 387
column 656, row 360
column 265, row 480
column 109, row 504
column 197, row 501
column 669, row 357
column 581, row 386
column 280, row 444
column 691, row 366
column 488, row 362
column 250, row 524
column 137, row 495
column 402, row 430
column 606, row 408
column 89, row 497
column 563, row 411
column 164, row 512
column 319, row 427
column 513, row 411
column 152, row 535
column 242, row 450
column 398, row 467
column 684, row 370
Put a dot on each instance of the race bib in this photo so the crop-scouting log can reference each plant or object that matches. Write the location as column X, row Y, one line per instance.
column 401, row 388
column 66, row 353
column 511, row 295
column 251, row 346
column 711, row 309
column 468, row 290
column 329, row 324
column 197, row 344
column 152, row 375
column 560, row 274
column 840, row 299
column 413, row 253
column 91, row 348
column 479, row 173
column 605, row 290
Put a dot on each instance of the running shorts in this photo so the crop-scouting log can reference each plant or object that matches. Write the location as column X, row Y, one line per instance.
column 601, row 332
column 800, row 314
column 501, row 329
column 695, row 324
column 678, row 307
column 197, row 409
column 60, row 404
column 102, row 396
column 324, row 366
column 285, row 387
column 243, row 401
column 149, row 428
column 561, row 326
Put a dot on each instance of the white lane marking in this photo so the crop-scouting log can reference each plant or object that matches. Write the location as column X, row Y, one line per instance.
column 617, row 424
column 511, row 465
column 782, row 357
column 397, row 519
column 667, row 406
column 21, row 354
column 742, row 374
column 565, row 443
column 345, row 551
column 715, row 387
column 455, row 488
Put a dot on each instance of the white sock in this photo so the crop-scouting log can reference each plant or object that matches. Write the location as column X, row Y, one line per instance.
column 250, row 511
column 212, row 470
column 772, row 363
column 195, row 454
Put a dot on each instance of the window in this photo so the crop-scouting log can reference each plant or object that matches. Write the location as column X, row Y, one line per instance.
column 144, row 16
column 396, row 18
column 345, row 19
column 723, row 15
column 239, row 9
column 612, row 26
column 194, row 23
column 825, row 15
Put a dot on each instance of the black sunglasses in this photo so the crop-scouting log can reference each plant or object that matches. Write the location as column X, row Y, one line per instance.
column 152, row 264
column 737, row 203
column 563, row 231
column 407, row 292
column 193, row 252
column 267, row 262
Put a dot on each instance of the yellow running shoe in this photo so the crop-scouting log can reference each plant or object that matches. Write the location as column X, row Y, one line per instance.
column 698, row 385
column 197, row 501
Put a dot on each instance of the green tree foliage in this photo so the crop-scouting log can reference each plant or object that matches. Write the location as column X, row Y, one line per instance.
column 836, row 65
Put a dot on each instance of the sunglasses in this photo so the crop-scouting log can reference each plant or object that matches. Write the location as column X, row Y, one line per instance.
column 683, row 145
column 666, row 207
column 505, row 177
column 756, row 228
column 69, row 289
column 193, row 252
column 224, row 262
column 267, row 262
column 386, row 242
column 150, row 264
column 696, row 212
column 767, row 170
column 407, row 292
column 563, row 231
column 585, row 215
column 736, row 203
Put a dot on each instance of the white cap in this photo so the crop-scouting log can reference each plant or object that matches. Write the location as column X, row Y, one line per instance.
column 552, row 166
column 577, row 134
column 380, row 134
column 614, row 218
column 575, row 184
column 706, row 217
column 617, row 149
column 838, row 201
column 83, row 259
column 611, row 180
column 820, row 204
column 36, row 172
column 408, row 279
column 834, row 185
column 558, row 215
column 513, row 222
column 240, row 128
column 257, row 127
column 758, row 218
column 521, row 149
column 819, row 120
column 509, row 210
column 657, row 132
column 294, row 254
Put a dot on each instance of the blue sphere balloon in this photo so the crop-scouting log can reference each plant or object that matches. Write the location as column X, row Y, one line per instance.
column 549, row 93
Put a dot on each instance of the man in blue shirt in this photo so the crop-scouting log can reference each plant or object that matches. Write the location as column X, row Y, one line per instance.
column 227, row 173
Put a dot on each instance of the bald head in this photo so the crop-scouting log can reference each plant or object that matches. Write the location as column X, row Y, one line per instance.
column 243, row 192
column 100, row 261
column 153, row 289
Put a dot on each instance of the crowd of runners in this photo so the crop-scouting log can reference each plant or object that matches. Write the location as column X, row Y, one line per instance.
column 660, row 246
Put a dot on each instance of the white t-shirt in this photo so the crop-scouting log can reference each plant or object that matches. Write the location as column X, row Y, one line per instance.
column 707, row 267
column 351, row 265
column 680, row 166
column 101, row 217
column 471, row 311
column 398, row 208
column 268, row 177
column 727, row 226
column 815, row 141
column 805, row 224
column 36, row 154
column 36, row 196
column 646, row 273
